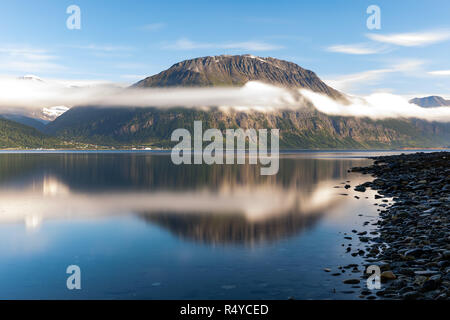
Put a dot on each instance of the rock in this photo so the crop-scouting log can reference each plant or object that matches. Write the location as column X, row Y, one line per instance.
column 425, row 272
column 411, row 295
column 430, row 211
column 446, row 254
column 398, row 284
column 413, row 229
column 405, row 290
column 437, row 278
column 414, row 252
column 351, row 281
column 388, row 275
column 430, row 285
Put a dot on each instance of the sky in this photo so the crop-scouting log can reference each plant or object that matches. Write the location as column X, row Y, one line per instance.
column 125, row 41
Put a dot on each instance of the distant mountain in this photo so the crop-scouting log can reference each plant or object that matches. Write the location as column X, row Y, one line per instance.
column 431, row 101
column 301, row 129
column 38, row 124
column 51, row 113
column 305, row 129
column 16, row 135
column 236, row 71
column 36, row 118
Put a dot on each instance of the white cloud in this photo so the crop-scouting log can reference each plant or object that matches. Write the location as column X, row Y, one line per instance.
column 25, row 59
column 37, row 94
column 186, row 44
column 54, row 112
column 412, row 39
column 253, row 96
column 377, row 106
column 358, row 49
column 348, row 81
column 351, row 81
column 440, row 73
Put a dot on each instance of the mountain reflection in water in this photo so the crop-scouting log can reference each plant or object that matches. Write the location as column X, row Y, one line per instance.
column 219, row 204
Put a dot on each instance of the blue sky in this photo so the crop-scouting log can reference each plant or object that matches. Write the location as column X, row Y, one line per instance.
column 124, row 41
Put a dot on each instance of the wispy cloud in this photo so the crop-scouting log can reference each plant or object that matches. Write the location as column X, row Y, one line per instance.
column 349, row 82
column 358, row 49
column 27, row 59
column 440, row 73
column 377, row 106
column 412, row 39
column 252, row 96
column 186, row 44
column 154, row 26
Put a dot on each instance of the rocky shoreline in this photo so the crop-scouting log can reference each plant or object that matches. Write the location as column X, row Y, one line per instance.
column 412, row 247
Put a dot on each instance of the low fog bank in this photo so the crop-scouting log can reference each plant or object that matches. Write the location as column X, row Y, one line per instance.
column 22, row 94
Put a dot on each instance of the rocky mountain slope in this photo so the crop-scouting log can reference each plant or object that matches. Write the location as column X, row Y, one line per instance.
column 236, row 71
column 431, row 101
column 306, row 128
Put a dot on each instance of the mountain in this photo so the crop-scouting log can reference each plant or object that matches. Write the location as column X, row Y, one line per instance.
column 227, row 70
column 306, row 128
column 16, row 135
column 431, row 101
column 51, row 113
column 26, row 120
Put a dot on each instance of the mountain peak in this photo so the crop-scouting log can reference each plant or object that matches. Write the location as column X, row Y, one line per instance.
column 431, row 101
column 237, row 70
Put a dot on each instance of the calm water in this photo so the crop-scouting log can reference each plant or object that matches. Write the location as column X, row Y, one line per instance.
column 140, row 227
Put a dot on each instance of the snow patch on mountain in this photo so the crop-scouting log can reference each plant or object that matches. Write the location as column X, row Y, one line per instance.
column 54, row 112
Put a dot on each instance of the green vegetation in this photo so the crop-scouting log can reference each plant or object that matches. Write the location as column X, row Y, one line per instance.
column 308, row 130
column 14, row 135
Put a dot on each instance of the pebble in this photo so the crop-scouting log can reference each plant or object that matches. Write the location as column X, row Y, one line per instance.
column 413, row 230
column 351, row 281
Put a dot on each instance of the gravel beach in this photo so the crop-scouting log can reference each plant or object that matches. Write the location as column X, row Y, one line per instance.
column 412, row 247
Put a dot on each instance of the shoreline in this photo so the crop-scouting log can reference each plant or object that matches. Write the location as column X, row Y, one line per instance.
column 170, row 149
column 412, row 247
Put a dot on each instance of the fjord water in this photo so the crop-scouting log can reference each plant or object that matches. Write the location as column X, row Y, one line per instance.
column 140, row 227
